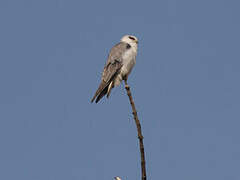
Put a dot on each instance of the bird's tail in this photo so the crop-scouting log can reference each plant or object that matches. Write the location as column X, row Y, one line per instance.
column 101, row 91
column 111, row 85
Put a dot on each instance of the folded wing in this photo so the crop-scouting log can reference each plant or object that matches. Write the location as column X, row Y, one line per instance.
column 111, row 70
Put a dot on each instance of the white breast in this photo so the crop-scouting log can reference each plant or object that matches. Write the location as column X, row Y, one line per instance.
column 129, row 60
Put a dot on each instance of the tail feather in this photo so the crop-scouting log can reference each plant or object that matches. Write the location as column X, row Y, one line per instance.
column 102, row 94
column 100, row 91
column 104, row 88
column 109, row 89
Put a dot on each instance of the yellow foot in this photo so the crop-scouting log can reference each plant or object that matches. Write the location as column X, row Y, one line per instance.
column 127, row 86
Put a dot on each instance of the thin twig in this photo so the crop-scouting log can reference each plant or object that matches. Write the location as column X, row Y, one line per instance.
column 140, row 136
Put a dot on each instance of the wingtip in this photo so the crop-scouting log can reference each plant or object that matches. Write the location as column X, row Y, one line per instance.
column 97, row 100
column 93, row 99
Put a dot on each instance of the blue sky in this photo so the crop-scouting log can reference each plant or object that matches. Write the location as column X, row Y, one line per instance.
column 185, row 85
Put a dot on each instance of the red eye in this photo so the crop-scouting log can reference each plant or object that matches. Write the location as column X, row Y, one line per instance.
column 132, row 38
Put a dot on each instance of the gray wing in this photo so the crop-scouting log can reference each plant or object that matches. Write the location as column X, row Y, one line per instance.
column 111, row 69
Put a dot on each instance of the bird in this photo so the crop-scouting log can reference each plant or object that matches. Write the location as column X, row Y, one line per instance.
column 121, row 60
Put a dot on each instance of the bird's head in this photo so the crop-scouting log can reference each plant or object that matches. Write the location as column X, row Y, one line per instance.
column 130, row 39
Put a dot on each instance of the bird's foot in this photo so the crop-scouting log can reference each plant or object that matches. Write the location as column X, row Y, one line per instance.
column 126, row 85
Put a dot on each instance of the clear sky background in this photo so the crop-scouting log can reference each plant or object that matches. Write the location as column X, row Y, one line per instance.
column 186, row 86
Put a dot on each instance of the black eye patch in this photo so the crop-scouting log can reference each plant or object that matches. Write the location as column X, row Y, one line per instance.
column 132, row 38
column 128, row 46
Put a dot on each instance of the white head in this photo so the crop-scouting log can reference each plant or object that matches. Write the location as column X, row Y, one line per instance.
column 130, row 39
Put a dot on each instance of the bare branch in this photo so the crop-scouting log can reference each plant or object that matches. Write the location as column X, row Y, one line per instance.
column 140, row 136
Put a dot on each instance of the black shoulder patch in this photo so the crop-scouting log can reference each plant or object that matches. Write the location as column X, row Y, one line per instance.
column 128, row 46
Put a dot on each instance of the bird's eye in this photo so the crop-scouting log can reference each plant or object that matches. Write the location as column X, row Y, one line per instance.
column 132, row 38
